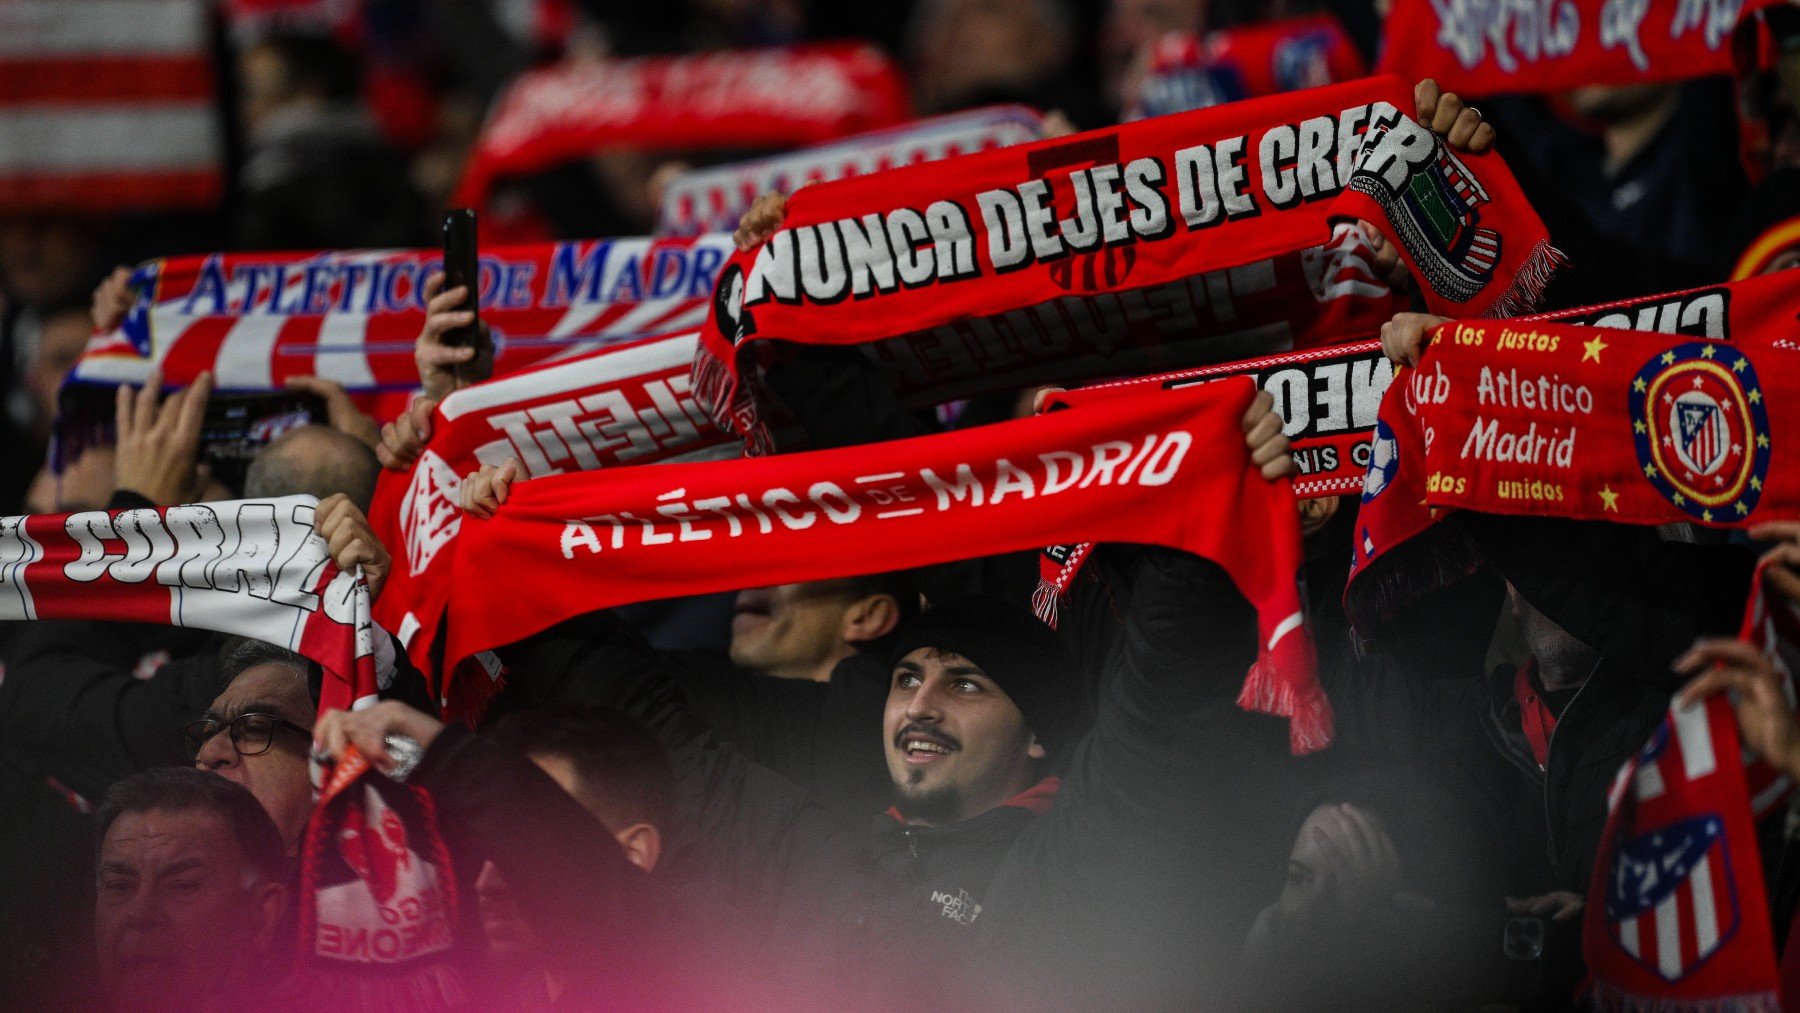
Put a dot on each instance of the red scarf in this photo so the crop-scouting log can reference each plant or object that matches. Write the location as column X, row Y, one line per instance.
column 1471, row 239
column 1404, row 492
column 713, row 199
column 1477, row 50
column 1677, row 917
column 1329, row 398
column 1119, row 250
column 1607, row 425
column 763, row 98
column 1249, row 61
column 254, row 568
column 1149, row 470
column 618, row 406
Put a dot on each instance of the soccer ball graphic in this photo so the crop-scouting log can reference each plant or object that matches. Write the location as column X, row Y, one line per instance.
column 1384, row 461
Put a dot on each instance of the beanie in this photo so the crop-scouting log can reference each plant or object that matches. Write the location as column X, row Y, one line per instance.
column 1010, row 646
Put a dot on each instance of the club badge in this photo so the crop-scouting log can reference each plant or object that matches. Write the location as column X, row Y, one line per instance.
column 1702, row 430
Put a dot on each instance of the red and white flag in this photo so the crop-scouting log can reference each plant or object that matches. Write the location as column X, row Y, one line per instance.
column 107, row 104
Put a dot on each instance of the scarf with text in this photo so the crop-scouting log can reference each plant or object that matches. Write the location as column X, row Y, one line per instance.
column 713, row 199
column 257, row 569
column 617, row 406
column 1124, row 250
column 1248, row 61
column 255, row 319
column 1149, row 470
column 760, row 98
column 1521, row 418
column 1677, row 918
column 1327, row 398
column 1488, row 49
column 252, row 568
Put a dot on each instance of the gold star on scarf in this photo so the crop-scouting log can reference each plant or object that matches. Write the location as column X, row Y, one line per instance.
column 1638, row 385
column 1706, row 352
column 1740, row 365
column 1609, row 500
column 1668, row 357
column 1592, row 349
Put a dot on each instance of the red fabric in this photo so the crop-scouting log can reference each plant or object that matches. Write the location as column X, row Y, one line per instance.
column 1644, row 429
column 1535, row 716
column 1248, row 61
column 254, row 568
column 1328, row 398
column 941, row 255
column 1403, row 492
column 1152, row 470
column 1460, row 222
column 1477, row 50
column 627, row 405
column 1677, row 917
column 768, row 98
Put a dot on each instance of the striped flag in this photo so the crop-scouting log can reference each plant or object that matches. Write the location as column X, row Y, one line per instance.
column 1677, row 917
column 107, row 105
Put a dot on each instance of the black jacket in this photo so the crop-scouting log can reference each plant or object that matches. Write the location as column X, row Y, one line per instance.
column 1637, row 600
column 1079, row 897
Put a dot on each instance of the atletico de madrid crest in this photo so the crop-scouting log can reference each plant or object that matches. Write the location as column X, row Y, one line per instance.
column 1702, row 430
column 1670, row 898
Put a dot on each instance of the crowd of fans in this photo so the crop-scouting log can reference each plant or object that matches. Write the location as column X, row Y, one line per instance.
column 887, row 790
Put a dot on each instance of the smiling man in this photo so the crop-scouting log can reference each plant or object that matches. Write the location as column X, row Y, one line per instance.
column 980, row 691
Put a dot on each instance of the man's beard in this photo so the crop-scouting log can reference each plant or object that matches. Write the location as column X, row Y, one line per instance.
column 942, row 804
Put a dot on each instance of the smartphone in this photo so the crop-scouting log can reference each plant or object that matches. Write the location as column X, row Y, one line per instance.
column 462, row 268
column 236, row 426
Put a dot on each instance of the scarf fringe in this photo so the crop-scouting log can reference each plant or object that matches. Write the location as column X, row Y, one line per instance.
column 1528, row 285
column 1613, row 1000
column 1046, row 603
column 1431, row 560
column 730, row 402
column 1309, row 713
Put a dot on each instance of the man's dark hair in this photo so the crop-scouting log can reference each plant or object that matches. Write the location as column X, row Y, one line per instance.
column 178, row 789
column 245, row 654
column 314, row 460
column 625, row 774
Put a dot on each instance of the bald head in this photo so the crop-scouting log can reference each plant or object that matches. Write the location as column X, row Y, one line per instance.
column 316, row 461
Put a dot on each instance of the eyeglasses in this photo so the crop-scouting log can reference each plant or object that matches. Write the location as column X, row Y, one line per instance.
column 251, row 734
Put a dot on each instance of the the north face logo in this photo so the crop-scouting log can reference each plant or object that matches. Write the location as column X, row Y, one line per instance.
column 958, row 907
column 429, row 517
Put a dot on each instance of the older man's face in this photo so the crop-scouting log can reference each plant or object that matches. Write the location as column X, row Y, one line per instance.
column 277, row 776
column 179, row 914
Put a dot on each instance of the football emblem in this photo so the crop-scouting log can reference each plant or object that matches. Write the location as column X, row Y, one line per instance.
column 430, row 515
column 1670, row 899
column 1702, row 430
column 1384, row 462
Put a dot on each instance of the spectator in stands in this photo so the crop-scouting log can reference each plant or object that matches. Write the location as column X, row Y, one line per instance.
column 620, row 774
column 193, row 893
column 257, row 733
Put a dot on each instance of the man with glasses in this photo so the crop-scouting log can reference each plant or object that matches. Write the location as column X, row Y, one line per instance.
column 258, row 732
